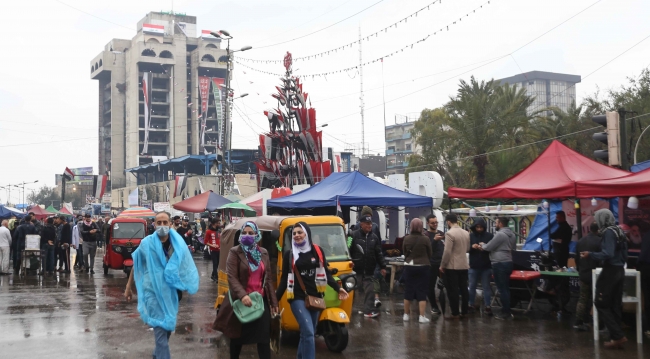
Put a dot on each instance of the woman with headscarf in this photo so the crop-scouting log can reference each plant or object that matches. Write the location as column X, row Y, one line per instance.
column 417, row 251
column 609, row 286
column 305, row 259
column 249, row 270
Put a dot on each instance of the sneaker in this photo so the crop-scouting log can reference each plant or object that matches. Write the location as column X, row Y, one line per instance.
column 435, row 311
column 406, row 317
column 504, row 316
column 423, row 319
column 488, row 310
column 371, row 315
column 92, row 271
column 377, row 303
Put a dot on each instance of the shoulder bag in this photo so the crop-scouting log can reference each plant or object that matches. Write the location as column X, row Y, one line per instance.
column 248, row 314
column 311, row 302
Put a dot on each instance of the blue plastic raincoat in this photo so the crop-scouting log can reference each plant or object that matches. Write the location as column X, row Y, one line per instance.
column 157, row 280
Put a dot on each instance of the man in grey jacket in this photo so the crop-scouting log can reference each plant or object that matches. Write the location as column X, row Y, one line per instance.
column 500, row 248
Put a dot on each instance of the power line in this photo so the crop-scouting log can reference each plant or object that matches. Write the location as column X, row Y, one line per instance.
column 95, row 16
column 317, row 31
column 349, row 45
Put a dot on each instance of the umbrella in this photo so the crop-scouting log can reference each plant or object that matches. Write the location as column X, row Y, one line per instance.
column 52, row 210
column 40, row 213
column 209, row 201
column 137, row 212
column 234, row 197
column 238, row 207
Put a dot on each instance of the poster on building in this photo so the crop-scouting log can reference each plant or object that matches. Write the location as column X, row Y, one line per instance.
column 90, row 199
column 147, row 204
column 82, row 175
column 204, row 88
column 161, row 206
column 217, row 91
column 587, row 213
column 106, row 204
column 638, row 220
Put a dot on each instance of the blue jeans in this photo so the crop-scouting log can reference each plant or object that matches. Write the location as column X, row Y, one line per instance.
column 502, row 272
column 161, row 351
column 49, row 258
column 307, row 320
column 485, row 275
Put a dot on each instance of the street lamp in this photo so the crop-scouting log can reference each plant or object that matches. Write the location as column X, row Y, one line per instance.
column 23, row 187
column 223, row 34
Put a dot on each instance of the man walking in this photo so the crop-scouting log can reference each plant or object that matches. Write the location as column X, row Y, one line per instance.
column 561, row 239
column 65, row 241
column 588, row 243
column 89, row 233
column 454, row 265
column 366, row 262
column 77, row 243
column 162, row 267
column 19, row 240
column 436, row 238
column 185, row 231
column 5, row 245
column 644, row 268
column 500, row 248
column 609, row 287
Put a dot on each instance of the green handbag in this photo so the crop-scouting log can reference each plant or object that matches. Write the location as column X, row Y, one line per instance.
column 248, row 314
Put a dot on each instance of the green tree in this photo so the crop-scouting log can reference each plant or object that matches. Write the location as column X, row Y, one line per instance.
column 45, row 196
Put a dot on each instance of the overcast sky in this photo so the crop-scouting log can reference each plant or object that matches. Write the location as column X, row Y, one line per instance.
column 48, row 103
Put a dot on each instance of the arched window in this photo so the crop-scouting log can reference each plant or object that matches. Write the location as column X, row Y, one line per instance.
column 153, row 39
column 211, row 46
column 92, row 68
column 100, row 63
column 166, row 55
column 148, row 52
column 207, row 58
column 96, row 66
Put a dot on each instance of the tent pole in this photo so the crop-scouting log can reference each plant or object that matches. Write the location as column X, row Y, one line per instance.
column 579, row 217
column 550, row 242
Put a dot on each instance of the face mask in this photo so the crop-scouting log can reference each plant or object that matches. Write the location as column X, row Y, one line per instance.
column 88, row 222
column 301, row 244
column 162, row 231
column 247, row 240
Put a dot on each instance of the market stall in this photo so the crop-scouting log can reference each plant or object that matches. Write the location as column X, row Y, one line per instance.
column 206, row 201
column 40, row 213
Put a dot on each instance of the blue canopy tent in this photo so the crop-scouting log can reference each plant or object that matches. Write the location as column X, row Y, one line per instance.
column 6, row 213
column 345, row 189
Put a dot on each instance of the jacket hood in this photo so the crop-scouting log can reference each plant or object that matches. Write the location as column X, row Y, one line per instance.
column 478, row 222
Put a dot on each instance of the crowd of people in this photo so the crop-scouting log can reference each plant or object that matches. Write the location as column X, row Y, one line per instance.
column 57, row 235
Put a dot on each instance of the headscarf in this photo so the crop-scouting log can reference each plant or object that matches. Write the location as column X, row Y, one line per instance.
column 304, row 249
column 252, row 252
column 416, row 226
column 604, row 218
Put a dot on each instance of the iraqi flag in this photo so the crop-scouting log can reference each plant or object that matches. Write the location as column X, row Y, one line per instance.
column 153, row 29
column 147, row 81
column 68, row 175
column 99, row 186
column 179, row 185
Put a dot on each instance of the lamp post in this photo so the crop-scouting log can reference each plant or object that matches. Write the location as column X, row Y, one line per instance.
column 223, row 34
column 23, row 188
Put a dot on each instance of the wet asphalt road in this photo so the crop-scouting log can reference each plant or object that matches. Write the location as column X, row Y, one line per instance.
column 84, row 316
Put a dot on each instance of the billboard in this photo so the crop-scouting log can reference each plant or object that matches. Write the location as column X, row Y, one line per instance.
column 82, row 175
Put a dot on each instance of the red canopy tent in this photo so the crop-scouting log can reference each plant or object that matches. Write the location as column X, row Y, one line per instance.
column 40, row 213
column 636, row 184
column 206, row 201
column 556, row 173
column 65, row 211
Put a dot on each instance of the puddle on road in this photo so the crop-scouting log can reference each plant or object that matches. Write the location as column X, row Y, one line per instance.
column 189, row 328
column 212, row 341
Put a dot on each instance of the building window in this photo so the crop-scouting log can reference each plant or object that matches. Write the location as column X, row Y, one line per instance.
column 166, row 55
column 408, row 147
column 211, row 46
column 207, row 58
column 148, row 52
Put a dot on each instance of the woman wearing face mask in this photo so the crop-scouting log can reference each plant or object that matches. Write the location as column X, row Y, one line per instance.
column 308, row 261
column 249, row 270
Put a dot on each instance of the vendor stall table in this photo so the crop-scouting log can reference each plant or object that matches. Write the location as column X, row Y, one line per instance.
column 626, row 299
column 528, row 277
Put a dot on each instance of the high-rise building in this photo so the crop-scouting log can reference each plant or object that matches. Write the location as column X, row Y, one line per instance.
column 400, row 144
column 549, row 89
column 157, row 95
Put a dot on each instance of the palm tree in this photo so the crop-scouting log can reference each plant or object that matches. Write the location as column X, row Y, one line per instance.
column 485, row 117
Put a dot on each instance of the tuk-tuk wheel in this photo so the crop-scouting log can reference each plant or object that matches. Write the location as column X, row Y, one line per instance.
column 336, row 336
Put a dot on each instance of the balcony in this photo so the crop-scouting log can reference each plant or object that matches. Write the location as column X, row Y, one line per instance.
column 398, row 151
column 397, row 136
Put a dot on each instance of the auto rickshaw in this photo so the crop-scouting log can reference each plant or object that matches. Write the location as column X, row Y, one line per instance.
column 124, row 236
column 328, row 233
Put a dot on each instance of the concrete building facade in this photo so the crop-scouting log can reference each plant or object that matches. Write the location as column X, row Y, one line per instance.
column 400, row 144
column 166, row 45
column 549, row 89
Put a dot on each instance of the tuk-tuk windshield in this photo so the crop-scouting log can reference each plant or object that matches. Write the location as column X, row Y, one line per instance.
column 126, row 230
column 330, row 238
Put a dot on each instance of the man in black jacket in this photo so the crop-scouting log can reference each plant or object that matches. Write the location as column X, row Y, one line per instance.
column 480, row 266
column 19, row 240
column 89, row 233
column 48, row 245
column 561, row 239
column 588, row 243
column 365, row 263
column 65, row 241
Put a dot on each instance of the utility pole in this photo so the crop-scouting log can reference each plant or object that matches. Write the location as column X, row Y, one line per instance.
column 363, row 127
column 625, row 163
